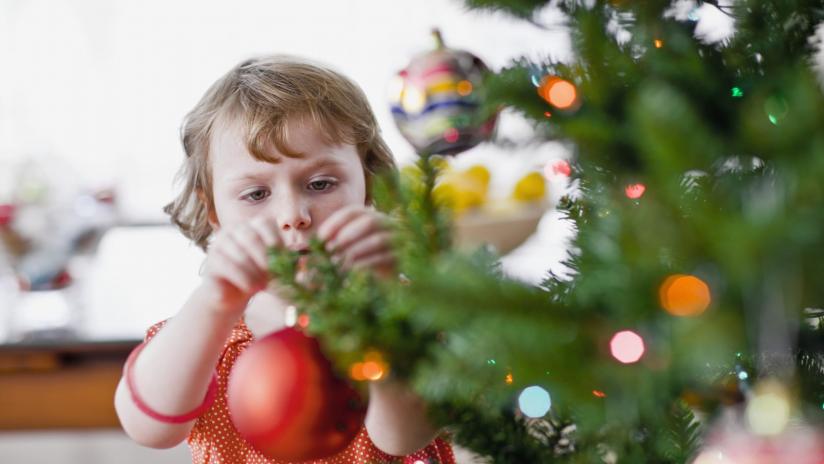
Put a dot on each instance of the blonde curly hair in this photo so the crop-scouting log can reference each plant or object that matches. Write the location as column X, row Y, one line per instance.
column 262, row 95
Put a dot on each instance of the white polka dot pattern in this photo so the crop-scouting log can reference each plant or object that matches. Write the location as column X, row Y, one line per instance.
column 214, row 439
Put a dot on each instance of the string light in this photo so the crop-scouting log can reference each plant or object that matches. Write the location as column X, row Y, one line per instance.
column 776, row 109
column 508, row 379
column 372, row 370
column 599, row 394
column 635, row 191
column 534, row 401
column 658, row 43
column 684, row 295
column 768, row 411
column 558, row 92
column 627, row 346
column 373, row 367
column 737, row 92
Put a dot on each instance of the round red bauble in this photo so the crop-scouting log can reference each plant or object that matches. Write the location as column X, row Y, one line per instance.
column 286, row 400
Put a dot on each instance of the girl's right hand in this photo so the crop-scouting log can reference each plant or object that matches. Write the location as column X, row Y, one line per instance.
column 236, row 263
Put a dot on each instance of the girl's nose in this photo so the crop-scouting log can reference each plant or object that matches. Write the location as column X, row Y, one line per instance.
column 294, row 216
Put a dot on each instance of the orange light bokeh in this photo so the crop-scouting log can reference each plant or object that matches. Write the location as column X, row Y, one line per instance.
column 558, row 92
column 658, row 43
column 373, row 367
column 356, row 371
column 508, row 379
column 373, row 370
column 684, row 295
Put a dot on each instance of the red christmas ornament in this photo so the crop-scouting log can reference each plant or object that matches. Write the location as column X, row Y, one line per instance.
column 285, row 399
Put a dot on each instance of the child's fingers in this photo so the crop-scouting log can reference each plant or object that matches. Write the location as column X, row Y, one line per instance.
column 353, row 231
column 228, row 271
column 232, row 251
column 252, row 244
column 369, row 245
column 383, row 263
column 267, row 230
column 332, row 225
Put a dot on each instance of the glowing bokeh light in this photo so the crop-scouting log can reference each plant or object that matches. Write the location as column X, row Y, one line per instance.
column 599, row 394
column 508, row 379
column 303, row 320
column 658, row 43
column 534, row 401
column 627, row 346
column 684, row 295
column 737, row 92
column 635, row 191
column 559, row 93
column 373, row 370
column 768, row 412
column 356, row 371
column 776, row 109
column 373, row 367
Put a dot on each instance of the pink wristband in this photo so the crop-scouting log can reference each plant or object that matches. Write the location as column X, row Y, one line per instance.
column 211, row 394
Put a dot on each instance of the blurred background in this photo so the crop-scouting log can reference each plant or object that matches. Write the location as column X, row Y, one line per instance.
column 92, row 94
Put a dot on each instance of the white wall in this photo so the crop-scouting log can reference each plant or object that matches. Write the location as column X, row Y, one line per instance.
column 104, row 84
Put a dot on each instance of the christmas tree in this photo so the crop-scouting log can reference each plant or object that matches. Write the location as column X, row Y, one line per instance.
column 698, row 255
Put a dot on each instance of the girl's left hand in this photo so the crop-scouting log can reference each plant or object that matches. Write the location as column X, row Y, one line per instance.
column 359, row 238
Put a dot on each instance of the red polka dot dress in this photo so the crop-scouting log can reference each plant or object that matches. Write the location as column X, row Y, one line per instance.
column 213, row 438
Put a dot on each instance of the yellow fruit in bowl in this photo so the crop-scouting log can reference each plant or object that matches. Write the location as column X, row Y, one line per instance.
column 459, row 194
column 479, row 173
column 531, row 187
column 462, row 190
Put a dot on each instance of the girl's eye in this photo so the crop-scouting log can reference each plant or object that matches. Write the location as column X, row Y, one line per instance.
column 257, row 195
column 320, row 185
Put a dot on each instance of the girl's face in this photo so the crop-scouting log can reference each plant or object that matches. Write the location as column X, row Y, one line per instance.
column 298, row 193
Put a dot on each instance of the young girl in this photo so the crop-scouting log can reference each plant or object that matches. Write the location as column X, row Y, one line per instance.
column 278, row 150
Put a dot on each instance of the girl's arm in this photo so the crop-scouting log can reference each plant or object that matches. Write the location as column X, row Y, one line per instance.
column 172, row 373
column 396, row 419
